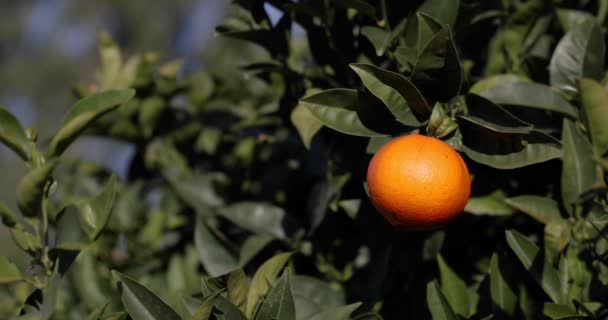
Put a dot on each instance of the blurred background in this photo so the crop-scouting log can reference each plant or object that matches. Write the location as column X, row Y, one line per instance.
column 47, row 46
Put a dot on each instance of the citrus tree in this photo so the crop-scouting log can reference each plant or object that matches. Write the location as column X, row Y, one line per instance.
column 251, row 195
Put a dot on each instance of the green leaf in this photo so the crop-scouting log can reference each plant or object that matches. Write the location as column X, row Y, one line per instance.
column 445, row 11
column 278, row 304
column 337, row 313
column 532, row 259
column 558, row 311
column 95, row 212
column 13, row 135
column 557, row 237
column 262, row 280
column 578, row 165
column 530, row 95
column 199, row 190
column 91, row 287
column 432, row 246
column 492, row 204
column 542, row 209
column 454, row 289
column 214, row 256
column 375, row 143
column 257, row 217
column 382, row 39
column 438, row 63
column 569, row 19
column 141, row 303
column 440, row 123
column 305, row 123
column 24, row 239
column 501, row 292
column 580, row 53
column 340, row 109
column 252, row 246
column 31, row 188
column 399, row 95
column 360, row 5
column 9, row 272
column 128, row 211
column 437, row 303
column 204, row 310
column 485, row 113
column 83, row 113
column 312, row 296
column 237, row 286
column 507, row 151
column 594, row 100
column 494, row 81
column 9, row 218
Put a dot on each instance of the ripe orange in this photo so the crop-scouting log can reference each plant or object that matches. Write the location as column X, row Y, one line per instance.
column 418, row 182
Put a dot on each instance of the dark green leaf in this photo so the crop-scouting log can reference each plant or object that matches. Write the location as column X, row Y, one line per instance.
column 542, row 209
column 9, row 218
column 204, row 310
column 454, row 289
column 580, row 53
column 382, row 39
column 360, row 5
column 128, row 211
column 95, row 212
column 594, row 100
column 258, row 217
column 440, row 123
column 31, row 189
column 336, row 313
column 141, row 303
column 252, row 246
column 306, row 124
column 556, row 236
column 199, row 190
column 493, row 117
column 558, row 311
column 432, row 245
column 578, row 165
column 492, row 204
column 531, row 95
column 375, row 143
column 445, row 11
column 312, row 296
column 237, row 286
column 13, row 135
column 437, row 303
column 340, row 110
column 83, row 113
column 91, row 287
column 532, row 259
column 569, row 19
column 507, row 151
column 9, row 272
column 495, row 80
column 278, row 304
column 214, row 255
column 400, row 96
column 501, row 292
column 262, row 280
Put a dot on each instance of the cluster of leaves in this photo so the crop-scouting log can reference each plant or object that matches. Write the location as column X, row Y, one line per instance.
column 263, row 176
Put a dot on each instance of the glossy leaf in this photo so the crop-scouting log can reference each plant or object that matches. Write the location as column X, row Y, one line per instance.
column 453, row 288
column 382, row 39
column 340, row 110
column 493, row 117
column 437, row 303
column 13, row 135
column 83, row 113
column 530, row 95
column 399, row 95
column 507, row 151
column 237, row 286
column 501, row 292
column 492, row 204
column 445, row 11
column 95, row 212
column 440, row 123
column 262, row 280
column 542, row 209
column 494, row 81
column 31, row 188
column 578, row 165
column 559, row 311
column 336, row 313
column 9, row 272
column 141, row 303
column 278, row 304
column 258, row 217
column 594, row 100
column 203, row 312
column 215, row 257
column 532, row 259
column 311, row 296
column 306, row 124
column 580, row 53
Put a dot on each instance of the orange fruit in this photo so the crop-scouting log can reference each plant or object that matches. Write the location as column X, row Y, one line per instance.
column 418, row 182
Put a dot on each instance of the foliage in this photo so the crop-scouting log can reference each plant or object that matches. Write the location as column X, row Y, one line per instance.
column 245, row 197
